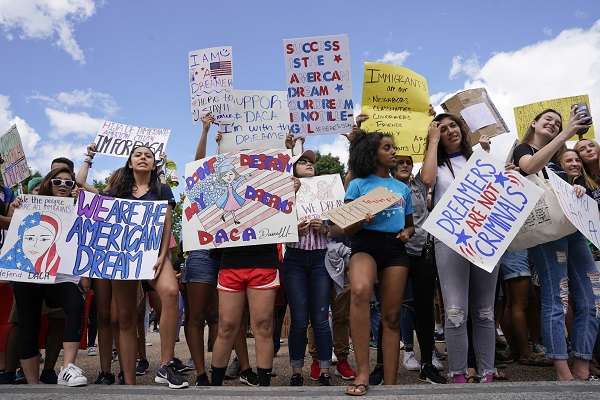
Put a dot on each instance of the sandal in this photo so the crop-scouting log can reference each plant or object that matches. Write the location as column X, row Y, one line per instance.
column 535, row 360
column 357, row 389
column 500, row 376
column 472, row 379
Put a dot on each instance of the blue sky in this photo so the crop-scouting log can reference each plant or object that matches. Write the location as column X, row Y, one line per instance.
column 67, row 66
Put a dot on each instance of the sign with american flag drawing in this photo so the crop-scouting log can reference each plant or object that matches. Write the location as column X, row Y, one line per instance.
column 210, row 78
column 239, row 199
column 482, row 211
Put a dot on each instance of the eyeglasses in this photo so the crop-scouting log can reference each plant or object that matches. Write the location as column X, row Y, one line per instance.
column 62, row 182
column 304, row 161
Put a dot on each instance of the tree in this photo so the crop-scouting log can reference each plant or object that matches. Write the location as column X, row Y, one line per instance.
column 329, row 164
column 177, row 215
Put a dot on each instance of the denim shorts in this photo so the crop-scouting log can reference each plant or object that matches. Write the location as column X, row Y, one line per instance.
column 200, row 267
column 514, row 264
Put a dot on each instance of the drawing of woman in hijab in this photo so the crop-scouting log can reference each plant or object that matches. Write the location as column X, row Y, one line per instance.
column 35, row 250
column 229, row 180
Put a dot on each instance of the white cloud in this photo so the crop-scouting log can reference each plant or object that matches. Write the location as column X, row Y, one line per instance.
column 339, row 148
column 461, row 66
column 392, row 57
column 43, row 19
column 29, row 137
column 67, row 123
column 89, row 99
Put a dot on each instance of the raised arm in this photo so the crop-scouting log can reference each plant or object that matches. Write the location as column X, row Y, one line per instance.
column 207, row 120
column 429, row 168
column 82, row 174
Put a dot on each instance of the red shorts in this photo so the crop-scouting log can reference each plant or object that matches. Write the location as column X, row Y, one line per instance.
column 238, row 280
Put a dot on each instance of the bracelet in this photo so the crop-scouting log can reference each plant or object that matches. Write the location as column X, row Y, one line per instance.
column 88, row 162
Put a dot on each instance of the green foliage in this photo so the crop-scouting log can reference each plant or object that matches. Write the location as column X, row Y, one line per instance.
column 177, row 215
column 327, row 164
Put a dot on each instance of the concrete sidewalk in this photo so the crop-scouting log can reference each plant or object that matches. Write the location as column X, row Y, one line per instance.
column 521, row 390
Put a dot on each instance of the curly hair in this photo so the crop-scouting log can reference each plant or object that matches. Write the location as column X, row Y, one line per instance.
column 465, row 146
column 363, row 153
column 122, row 181
column 46, row 184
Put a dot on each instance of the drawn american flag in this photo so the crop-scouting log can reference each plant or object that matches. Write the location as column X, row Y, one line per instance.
column 220, row 68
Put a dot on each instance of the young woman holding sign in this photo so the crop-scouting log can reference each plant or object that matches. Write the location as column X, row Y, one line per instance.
column 139, row 180
column 565, row 266
column 378, row 250
column 464, row 286
column 64, row 293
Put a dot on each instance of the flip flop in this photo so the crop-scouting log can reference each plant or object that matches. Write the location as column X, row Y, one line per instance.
column 357, row 389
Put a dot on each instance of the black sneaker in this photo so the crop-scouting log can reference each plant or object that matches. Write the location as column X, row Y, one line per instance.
column 166, row 374
column 202, row 380
column 249, row 377
column 142, row 367
column 324, row 379
column 376, row 377
column 297, row 380
column 105, row 378
column 49, row 377
column 180, row 367
column 430, row 374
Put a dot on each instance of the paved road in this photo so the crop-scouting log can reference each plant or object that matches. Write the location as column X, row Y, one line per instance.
column 529, row 391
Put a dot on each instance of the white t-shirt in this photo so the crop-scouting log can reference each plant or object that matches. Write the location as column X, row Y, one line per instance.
column 445, row 178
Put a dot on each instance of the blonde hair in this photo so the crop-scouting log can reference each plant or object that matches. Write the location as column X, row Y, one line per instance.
column 589, row 182
column 597, row 146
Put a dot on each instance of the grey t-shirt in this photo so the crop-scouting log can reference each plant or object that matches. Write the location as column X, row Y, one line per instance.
column 414, row 246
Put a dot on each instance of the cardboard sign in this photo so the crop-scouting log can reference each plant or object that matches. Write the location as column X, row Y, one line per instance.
column 581, row 211
column 259, row 119
column 319, row 85
column 211, row 77
column 239, row 199
column 482, row 210
column 14, row 168
column 319, row 194
column 524, row 115
column 118, row 140
column 114, row 238
column 373, row 202
column 397, row 102
column 478, row 112
column 35, row 247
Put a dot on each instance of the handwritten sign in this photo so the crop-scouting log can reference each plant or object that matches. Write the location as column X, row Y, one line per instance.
column 211, row 77
column 371, row 203
column 258, row 120
column 35, row 247
column 581, row 211
column 116, row 139
column 115, row 238
column 524, row 115
column 319, row 194
column 319, row 85
column 483, row 210
column 397, row 102
column 239, row 199
column 14, row 168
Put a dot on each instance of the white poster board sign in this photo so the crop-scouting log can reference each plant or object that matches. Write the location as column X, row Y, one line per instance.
column 118, row 140
column 318, row 195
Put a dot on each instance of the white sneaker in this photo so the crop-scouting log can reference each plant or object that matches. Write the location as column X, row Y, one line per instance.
column 410, row 362
column 437, row 364
column 92, row 351
column 71, row 376
column 334, row 359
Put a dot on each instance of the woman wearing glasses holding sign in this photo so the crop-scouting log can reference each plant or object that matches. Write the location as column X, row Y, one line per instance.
column 63, row 293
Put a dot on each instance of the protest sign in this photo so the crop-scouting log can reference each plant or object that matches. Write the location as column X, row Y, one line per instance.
column 396, row 100
column 524, row 115
column 482, row 211
column 581, row 211
column 239, row 199
column 115, row 238
column 319, row 86
column 14, row 168
column 211, row 77
column 116, row 139
column 259, row 119
column 35, row 247
column 373, row 202
column 319, row 194
column 478, row 112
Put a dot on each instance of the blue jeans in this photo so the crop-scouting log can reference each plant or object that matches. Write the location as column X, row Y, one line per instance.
column 308, row 289
column 566, row 267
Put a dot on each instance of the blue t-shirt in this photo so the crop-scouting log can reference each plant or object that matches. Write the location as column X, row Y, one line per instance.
column 392, row 218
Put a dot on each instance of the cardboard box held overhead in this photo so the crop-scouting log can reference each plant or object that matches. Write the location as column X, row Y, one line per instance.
column 477, row 111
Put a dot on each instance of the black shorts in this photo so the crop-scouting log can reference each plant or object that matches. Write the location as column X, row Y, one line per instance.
column 382, row 246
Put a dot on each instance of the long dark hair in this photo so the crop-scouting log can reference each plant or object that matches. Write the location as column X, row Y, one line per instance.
column 46, row 185
column 363, row 153
column 122, row 181
column 465, row 146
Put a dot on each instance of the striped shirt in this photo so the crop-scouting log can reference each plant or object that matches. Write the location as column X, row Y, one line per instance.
column 312, row 240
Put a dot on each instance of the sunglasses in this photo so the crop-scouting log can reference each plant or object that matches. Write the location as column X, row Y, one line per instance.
column 62, row 182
